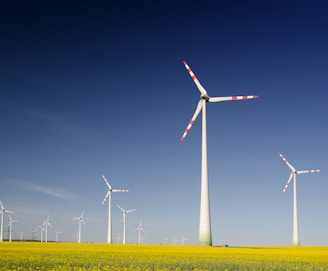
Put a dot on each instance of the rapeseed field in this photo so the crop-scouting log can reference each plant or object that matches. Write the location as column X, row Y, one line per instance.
column 73, row 256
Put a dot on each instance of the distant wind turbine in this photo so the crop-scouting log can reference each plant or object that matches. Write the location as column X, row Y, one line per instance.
column 80, row 219
column 3, row 210
column 33, row 234
column 140, row 229
column 183, row 239
column 57, row 233
column 10, row 226
column 41, row 232
column 294, row 172
column 21, row 235
column 205, row 234
column 45, row 225
column 123, row 219
column 108, row 196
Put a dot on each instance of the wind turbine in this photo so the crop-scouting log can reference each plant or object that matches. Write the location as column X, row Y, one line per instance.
column 294, row 172
column 21, row 235
column 33, row 234
column 3, row 210
column 183, row 239
column 140, row 229
column 123, row 219
column 108, row 196
column 205, row 235
column 10, row 226
column 41, row 232
column 80, row 219
column 45, row 225
column 57, row 233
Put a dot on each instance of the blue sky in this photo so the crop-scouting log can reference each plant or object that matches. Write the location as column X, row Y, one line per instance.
column 92, row 88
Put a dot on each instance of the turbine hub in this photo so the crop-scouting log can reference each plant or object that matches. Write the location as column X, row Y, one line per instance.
column 205, row 97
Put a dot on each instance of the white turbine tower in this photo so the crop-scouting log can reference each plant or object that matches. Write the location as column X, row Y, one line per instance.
column 3, row 210
column 140, row 229
column 45, row 225
column 10, row 226
column 80, row 219
column 123, row 219
column 57, row 233
column 205, row 235
column 108, row 196
column 294, row 172
column 183, row 239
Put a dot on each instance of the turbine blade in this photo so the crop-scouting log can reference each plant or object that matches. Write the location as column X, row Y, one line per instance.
column 120, row 190
column 194, row 78
column 286, row 185
column 120, row 208
column 231, row 98
column 106, row 197
column 287, row 163
column 308, row 171
column 107, row 183
column 132, row 210
column 198, row 109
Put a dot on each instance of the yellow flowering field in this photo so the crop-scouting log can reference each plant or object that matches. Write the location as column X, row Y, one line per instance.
column 73, row 256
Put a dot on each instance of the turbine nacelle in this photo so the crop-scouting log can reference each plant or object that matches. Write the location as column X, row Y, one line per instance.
column 205, row 97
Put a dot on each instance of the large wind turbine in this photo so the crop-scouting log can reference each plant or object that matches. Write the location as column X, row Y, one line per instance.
column 123, row 219
column 205, row 235
column 10, row 225
column 80, row 219
column 3, row 210
column 294, row 172
column 108, row 196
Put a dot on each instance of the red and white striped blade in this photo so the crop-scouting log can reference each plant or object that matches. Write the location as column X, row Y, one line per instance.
column 194, row 78
column 308, row 171
column 107, row 183
column 119, row 190
column 287, row 163
column 106, row 197
column 231, row 98
column 198, row 109
column 288, row 182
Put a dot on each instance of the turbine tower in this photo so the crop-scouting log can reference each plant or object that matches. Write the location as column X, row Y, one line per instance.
column 3, row 210
column 108, row 196
column 123, row 219
column 205, row 234
column 45, row 225
column 294, row 172
column 57, row 233
column 10, row 226
column 80, row 219
column 140, row 229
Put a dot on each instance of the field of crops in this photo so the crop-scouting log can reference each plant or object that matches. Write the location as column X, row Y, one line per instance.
column 73, row 256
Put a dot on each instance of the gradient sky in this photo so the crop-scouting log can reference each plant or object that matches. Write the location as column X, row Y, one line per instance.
column 99, row 87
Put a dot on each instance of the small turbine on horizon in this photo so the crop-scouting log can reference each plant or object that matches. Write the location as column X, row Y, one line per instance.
column 205, row 234
column 123, row 219
column 80, row 219
column 57, row 233
column 294, row 172
column 10, row 226
column 3, row 210
column 45, row 225
column 108, row 196
column 140, row 229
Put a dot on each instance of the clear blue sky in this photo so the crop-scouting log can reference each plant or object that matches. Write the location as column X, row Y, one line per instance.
column 91, row 87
